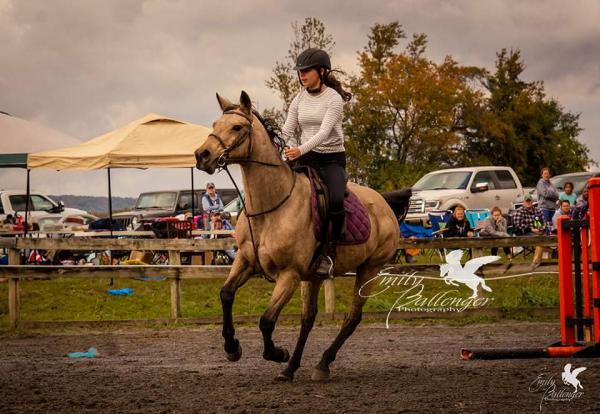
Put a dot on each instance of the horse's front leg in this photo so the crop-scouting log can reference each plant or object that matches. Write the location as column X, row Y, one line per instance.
column 310, row 296
column 287, row 282
column 239, row 274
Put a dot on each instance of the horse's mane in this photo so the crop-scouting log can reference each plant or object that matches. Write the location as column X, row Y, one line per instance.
column 270, row 125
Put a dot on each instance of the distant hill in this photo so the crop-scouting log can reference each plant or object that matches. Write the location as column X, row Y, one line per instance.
column 95, row 205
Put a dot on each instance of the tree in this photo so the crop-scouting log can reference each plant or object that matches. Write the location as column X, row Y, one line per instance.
column 284, row 79
column 522, row 128
column 407, row 117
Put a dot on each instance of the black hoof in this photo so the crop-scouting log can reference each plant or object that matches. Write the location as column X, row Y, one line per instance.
column 284, row 376
column 236, row 354
column 278, row 355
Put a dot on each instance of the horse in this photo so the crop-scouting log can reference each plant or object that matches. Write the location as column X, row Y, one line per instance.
column 275, row 235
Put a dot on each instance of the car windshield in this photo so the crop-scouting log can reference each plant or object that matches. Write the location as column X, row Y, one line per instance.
column 577, row 180
column 156, row 200
column 444, row 181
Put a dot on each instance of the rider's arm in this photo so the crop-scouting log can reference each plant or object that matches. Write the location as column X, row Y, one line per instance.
column 291, row 122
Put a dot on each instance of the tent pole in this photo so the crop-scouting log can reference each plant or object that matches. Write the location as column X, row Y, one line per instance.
column 110, row 204
column 193, row 202
column 27, row 204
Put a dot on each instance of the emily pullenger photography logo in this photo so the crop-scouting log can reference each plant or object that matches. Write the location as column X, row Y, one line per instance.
column 410, row 289
column 552, row 391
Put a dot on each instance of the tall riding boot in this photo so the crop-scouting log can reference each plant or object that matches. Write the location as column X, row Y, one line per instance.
column 327, row 258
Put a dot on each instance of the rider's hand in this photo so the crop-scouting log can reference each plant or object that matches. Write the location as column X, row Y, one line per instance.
column 292, row 153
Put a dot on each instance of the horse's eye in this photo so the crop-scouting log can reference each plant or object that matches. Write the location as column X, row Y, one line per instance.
column 237, row 127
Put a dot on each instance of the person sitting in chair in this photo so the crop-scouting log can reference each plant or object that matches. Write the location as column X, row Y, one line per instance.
column 564, row 210
column 458, row 225
column 318, row 112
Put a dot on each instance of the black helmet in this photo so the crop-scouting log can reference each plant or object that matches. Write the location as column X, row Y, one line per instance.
column 313, row 58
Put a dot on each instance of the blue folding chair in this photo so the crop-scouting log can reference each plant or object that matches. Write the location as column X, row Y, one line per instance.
column 438, row 220
column 475, row 217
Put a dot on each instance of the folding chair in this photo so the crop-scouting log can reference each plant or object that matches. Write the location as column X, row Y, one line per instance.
column 476, row 217
column 438, row 220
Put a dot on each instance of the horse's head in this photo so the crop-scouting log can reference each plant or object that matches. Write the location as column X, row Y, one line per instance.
column 230, row 137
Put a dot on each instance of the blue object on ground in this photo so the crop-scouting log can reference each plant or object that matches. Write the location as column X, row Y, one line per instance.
column 4, row 260
column 120, row 292
column 91, row 353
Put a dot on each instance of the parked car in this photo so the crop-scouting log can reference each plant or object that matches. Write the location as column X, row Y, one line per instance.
column 41, row 207
column 158, row 204
column 471, row 188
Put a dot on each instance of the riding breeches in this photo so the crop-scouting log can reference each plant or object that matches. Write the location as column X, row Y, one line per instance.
column 331, row 167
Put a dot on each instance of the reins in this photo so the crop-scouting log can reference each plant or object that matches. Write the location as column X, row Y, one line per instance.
column 224, row 160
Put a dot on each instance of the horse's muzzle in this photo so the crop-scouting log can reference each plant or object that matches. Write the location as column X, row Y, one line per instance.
column 202, row 160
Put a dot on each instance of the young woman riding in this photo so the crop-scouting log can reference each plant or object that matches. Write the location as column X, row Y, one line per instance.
column 318, row 111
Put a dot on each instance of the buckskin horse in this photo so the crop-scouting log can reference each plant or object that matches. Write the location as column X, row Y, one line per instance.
column 275, row 234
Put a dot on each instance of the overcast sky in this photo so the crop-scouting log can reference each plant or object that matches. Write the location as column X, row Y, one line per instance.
column 87, row 67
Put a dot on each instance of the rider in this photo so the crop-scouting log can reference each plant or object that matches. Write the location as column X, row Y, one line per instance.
column 318, row 111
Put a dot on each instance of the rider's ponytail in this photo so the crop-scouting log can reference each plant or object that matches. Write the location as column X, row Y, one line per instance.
column 329, row 80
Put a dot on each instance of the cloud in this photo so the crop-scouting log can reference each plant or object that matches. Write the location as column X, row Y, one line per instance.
column 88, row 67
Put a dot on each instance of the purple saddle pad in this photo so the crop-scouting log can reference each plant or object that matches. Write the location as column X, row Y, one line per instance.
column 358, row 224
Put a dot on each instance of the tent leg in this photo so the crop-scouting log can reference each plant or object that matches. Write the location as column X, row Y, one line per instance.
column 27, row 203
column 112, row 281
column 193, row 203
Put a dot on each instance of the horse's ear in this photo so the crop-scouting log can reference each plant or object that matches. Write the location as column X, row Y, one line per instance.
column 245, row 103
column 224, row 103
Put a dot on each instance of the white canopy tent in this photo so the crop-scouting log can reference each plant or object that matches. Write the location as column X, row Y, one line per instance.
column 150, row 142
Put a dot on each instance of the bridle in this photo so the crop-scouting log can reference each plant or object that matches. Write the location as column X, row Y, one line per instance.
column 224, row 160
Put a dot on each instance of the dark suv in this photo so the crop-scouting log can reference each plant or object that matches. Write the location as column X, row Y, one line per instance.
column 158, row 204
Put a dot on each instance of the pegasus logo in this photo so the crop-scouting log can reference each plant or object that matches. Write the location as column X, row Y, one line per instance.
column 570, row 377
column 452, row 271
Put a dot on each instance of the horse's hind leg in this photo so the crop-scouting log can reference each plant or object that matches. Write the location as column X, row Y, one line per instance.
column 286, row 284
column 239, row 274
column 310, row 297
column 364, row 274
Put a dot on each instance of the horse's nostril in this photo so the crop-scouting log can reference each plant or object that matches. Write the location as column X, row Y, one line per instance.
column 205, row 154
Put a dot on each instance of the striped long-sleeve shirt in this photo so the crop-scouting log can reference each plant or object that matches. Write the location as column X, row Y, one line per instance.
column 320, row 120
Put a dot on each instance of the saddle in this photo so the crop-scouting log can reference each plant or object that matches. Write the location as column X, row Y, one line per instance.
column 357, row 225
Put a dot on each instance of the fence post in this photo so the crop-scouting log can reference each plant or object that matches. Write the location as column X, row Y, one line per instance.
column 14, row 300
column 175, row 259
column 329, row 296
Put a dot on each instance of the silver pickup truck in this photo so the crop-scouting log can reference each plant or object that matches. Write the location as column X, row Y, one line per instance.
column 472, row 188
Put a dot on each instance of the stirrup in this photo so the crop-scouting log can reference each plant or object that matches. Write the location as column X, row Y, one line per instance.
column 325, row 266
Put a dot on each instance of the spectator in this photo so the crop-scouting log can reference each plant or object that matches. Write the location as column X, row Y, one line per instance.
column 581, row 206
column 218, row 222
column 564, row 210
column 458, row 225
column 568, row 194
column 547, row 196
column 495, row 226
column 528, row 219
column 211, row 202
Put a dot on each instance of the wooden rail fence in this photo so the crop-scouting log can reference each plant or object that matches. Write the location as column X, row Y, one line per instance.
column 176, row 272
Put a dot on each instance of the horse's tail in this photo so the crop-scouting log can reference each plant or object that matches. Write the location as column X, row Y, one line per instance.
column 398, row 200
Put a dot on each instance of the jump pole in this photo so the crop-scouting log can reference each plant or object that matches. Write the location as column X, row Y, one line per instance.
column 578, row 314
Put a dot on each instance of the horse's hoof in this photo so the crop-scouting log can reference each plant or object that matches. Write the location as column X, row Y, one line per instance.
column 284, row 376
column 286, row 355
column 319, row 375
column 236, row 355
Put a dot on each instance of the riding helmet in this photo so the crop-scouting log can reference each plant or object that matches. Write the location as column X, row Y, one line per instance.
column 313, row 58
